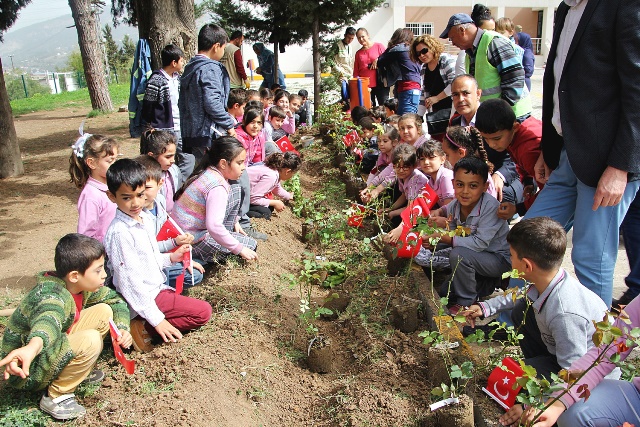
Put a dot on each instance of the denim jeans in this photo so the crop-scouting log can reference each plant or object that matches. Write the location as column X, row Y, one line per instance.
column 408, row 101
column 174, row 270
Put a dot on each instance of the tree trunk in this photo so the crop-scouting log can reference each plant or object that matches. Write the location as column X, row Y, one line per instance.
column 276, row 63
column 86, row 19
column 316, row 66
column 163, row 22
column 10, row 160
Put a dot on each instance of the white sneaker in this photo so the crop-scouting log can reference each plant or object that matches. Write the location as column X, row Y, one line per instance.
column 64, row 407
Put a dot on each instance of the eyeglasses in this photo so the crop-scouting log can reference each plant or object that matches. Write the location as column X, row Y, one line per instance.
column 402, row 168
column 423, row 51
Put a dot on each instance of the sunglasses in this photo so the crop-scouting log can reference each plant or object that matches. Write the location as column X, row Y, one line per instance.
column 424, row 51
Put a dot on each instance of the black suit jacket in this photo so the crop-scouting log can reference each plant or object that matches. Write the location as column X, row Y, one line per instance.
column 599, row 92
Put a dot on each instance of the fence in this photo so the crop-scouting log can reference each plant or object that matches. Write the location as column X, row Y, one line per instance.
column 52, row 82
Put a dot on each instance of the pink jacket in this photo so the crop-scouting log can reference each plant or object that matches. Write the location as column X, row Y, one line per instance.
column 254, row 146
column 95, row 210
column 265, row 180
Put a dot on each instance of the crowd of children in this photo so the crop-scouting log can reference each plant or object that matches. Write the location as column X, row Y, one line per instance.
column 53, row 340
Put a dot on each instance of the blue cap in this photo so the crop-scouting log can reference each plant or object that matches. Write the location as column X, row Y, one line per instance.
column 457, row 19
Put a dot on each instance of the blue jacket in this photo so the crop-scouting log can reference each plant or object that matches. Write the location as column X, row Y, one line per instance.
column 204, row 90
column 395, row 64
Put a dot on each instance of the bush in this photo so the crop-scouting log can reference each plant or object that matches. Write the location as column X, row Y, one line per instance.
column 15, row 87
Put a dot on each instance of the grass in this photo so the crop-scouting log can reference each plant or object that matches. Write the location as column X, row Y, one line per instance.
column 79, row 99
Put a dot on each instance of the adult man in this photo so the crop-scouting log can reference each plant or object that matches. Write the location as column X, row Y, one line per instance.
column 492, row 60
column 343, row 61
column 466, row 98
column 590, row 131
column 232, row 61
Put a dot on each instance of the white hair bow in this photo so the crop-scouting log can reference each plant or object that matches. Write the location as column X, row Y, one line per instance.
column 78, row 146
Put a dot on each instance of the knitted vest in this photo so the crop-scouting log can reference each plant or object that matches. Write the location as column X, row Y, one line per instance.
column 190, row 209
column 489, row 79
column 229, row 63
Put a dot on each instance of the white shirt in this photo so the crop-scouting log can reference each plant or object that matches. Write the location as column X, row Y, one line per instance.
column 564, row 42
column 174, row 90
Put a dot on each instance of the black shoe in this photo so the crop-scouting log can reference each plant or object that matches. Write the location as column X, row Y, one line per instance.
column 252, row 232
column 625, row 299
column 499, row 335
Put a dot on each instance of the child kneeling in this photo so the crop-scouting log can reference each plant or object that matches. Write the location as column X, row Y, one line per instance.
column 63, row 320
column 137, row 264
column 483, row 251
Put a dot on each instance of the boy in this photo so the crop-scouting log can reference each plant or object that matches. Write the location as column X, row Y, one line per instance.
column 203, row 94
column 253, row 95
column 156, row 208
column 306, row 110
column 160, row 103
column 63, row 321
column 497, row 123
column 558, row 326
column 236, row 103
column 137, row 264
column 483, row 253
column 273, row 129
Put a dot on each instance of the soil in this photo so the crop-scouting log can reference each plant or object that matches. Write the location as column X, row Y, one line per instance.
column 248, row 366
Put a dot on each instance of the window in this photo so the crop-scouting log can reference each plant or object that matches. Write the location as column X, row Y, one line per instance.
column 420, row 28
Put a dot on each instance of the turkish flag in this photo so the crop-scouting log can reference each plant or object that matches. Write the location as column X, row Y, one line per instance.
column 419, row 207
column 129, row 365
column 501, row 382
column 350, row 138
column 409, row 243
column 285, row 145
column 171, row 230
column 356, row 218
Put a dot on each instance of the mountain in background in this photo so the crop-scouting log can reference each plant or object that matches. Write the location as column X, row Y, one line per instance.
column 47, row 45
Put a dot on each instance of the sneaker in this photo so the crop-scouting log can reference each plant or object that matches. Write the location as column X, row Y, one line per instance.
column 252, row 232
column 140, row 335
column 96, row 376
column 63, row 407
column 624, row 299
column 498, row 335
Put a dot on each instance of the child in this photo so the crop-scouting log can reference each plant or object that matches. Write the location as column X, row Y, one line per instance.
column 306, row 111
column 378, row 114
column 273, row 128
column 55, row 336
column 91, row 157
column 204, row 92
column 295, row 102
column 161, row 145
column 155, row 206
column 358, row 113
column 266, row 178
column 500, row 130
column 484, row 251
column 369, row 155
column 432, row 163
column 411, row 130
column 558, row 326
column 386, row 143
column 281, row 99
column 207, row 205
column 160, row 104
column 266, row 97
column 460, row 142
column 253, row 95
column 390, row 107
column 136, row 263
column 393, row 120
column 236, row 104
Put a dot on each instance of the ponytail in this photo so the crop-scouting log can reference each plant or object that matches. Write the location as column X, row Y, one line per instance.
column 94, row 146
column 470, row 139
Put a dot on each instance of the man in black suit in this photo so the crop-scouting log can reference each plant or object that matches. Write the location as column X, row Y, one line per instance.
column 591, row 131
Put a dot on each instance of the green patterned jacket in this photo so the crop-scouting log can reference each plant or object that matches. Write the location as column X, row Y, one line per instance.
column 48, row 311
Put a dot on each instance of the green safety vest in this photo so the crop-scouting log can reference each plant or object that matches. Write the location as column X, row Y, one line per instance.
column 489, row 79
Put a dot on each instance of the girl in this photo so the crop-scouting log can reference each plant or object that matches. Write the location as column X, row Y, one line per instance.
column 386, row 143
column 432, row 163
column 266, row 97
column 251, row 136
column 207, row 205
column 460, row 142
column 281, row 99
column 266, row 178
column 161, row 145
column 411, row 130
column 91, row 157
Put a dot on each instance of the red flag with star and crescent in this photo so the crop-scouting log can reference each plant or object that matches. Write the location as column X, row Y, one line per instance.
column 284, row 144
column 171, row 230
column 501, row 381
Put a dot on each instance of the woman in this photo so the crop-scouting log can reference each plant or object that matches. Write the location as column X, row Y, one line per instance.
column 505, row 27
column 266, row 61
column 366, row 65
column 401, row 70
column 438, row 69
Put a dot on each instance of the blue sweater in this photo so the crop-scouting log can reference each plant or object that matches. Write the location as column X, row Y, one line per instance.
column 395, row 64
column 204, row 90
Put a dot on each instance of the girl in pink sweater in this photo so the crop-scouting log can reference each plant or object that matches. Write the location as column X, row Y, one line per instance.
column 207, row 206
column 91, row 157
column 265, row 179
column 251, row 135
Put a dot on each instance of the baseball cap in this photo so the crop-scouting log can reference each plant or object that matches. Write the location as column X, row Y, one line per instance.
column 457, row 19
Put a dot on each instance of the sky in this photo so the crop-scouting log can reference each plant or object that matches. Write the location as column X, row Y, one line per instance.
column 39, row 11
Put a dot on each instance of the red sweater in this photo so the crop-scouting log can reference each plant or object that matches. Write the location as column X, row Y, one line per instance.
column 525, row 147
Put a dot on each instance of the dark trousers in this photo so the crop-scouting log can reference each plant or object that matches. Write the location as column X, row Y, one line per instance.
column 257, row 211
column 630, row 228
column 380, row 94
column 533, row 348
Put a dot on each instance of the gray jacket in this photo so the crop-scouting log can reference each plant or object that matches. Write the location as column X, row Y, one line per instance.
column 564, row 314
column 204, row 91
